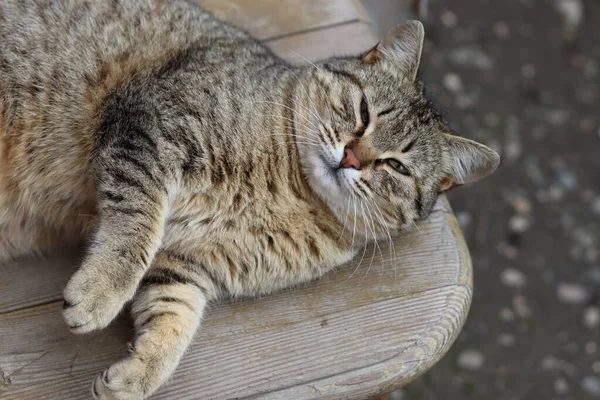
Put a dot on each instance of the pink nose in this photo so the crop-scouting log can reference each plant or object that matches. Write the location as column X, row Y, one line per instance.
column 350, row 160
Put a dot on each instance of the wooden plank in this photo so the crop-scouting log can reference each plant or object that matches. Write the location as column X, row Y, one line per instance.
column 349, row 39
column 385, row 14
column 275, row 18
column 356, row 333
column 29, row 282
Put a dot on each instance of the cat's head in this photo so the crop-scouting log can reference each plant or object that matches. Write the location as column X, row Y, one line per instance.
column 373, row 143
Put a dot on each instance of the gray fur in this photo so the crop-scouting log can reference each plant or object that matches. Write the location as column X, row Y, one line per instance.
column 199, row 165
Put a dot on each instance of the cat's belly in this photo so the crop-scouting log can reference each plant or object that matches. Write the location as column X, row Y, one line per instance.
column 260, row 248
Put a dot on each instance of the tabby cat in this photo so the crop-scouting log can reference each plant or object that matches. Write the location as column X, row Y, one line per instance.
column 198, row 165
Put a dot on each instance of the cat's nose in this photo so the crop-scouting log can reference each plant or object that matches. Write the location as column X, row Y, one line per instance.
column 350, row 160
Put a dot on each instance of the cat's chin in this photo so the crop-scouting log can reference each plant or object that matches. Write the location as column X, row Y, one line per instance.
column 330, row 182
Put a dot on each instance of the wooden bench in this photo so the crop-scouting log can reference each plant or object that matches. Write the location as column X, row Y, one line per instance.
column 361, row 332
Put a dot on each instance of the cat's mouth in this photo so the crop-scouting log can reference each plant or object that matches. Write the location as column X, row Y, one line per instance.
column 333, row 170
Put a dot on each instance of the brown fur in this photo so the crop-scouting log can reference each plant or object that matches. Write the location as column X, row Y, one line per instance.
column 197, row 165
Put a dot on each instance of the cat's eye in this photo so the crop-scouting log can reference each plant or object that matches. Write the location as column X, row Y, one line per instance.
column 364, row 112
column 397, row 165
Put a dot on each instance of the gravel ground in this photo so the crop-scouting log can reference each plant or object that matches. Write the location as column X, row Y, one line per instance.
column 523, row 76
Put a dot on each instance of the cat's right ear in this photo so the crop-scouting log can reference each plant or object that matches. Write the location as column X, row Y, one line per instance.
column 402, row 46
column 469, row 162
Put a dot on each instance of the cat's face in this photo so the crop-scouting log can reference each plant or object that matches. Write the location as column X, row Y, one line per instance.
column 373, row 145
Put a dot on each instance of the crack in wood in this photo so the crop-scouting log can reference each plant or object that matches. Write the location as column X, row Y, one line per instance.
column 4, row 381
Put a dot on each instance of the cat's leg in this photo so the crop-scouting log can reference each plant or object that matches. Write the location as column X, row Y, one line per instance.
column 167, row 311
column 133, row 191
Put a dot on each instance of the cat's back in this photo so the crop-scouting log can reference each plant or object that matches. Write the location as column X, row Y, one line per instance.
column 71, row 53
column 59, row 60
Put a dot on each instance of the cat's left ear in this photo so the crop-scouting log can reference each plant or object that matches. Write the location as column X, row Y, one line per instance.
column 469, row 162
column 402, row 46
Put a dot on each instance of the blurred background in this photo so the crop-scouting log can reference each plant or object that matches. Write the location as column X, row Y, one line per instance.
column 522, row 76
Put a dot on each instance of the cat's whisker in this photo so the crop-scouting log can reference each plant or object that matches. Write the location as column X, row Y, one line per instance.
column 311, row 112
column 390, row 241
column 307, row 129
column 346, row 219
column 367, row 227
column 364, row 248
column 308, row 121
column 305, row 59
column 375, row 244
column 354, row 228
column 299, row 139
column 280, row 105
column 374, row 229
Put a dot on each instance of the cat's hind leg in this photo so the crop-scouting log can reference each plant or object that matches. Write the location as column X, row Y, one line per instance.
column 167, row 311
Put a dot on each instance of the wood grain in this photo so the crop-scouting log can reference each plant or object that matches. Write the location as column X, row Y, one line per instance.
column 357, row 333
column 348, row 39
column 268, row 19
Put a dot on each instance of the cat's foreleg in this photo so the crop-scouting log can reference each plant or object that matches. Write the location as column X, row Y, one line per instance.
column 167, row 311
column 133, row 197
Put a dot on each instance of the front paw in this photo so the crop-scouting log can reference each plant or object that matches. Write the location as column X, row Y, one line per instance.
column 125, row 380
column 93, row 299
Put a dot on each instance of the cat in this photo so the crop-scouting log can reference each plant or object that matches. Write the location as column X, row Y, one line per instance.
column 198, row 165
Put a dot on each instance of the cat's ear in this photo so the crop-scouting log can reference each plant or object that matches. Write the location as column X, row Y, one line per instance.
column 469, row 162
column 402, row 46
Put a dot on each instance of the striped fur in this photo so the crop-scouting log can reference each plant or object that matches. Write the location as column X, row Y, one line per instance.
column 198, row 165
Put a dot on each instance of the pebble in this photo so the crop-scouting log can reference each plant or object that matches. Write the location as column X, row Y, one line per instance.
column 470, row 359
column 513, row 148
column 518, row 223
column 572, row 12
column 572, row 293
column 464, row 219
column 452, row 82
column 533, row 171
column 596, row 367
column 587, row 125
column 556, row 193
column 551, row 363
column 591, row 384
column 591, row 347
column 528, row 71
column 521, row 307
column 521, row 204
column 512, row 277
column 502, row 30
column 567, row 179
column 561, row 386
column 506, row 339
column 507, row 315
column 510, row 252
column 557, row 117
column 591, row 317
column 472, row 56
column 449, row 19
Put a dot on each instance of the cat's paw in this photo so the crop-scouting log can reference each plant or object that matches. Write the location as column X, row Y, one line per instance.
column 125, row 380
column 92, row 300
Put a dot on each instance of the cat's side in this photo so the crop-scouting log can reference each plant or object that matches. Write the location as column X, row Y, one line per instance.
column 199, row 165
